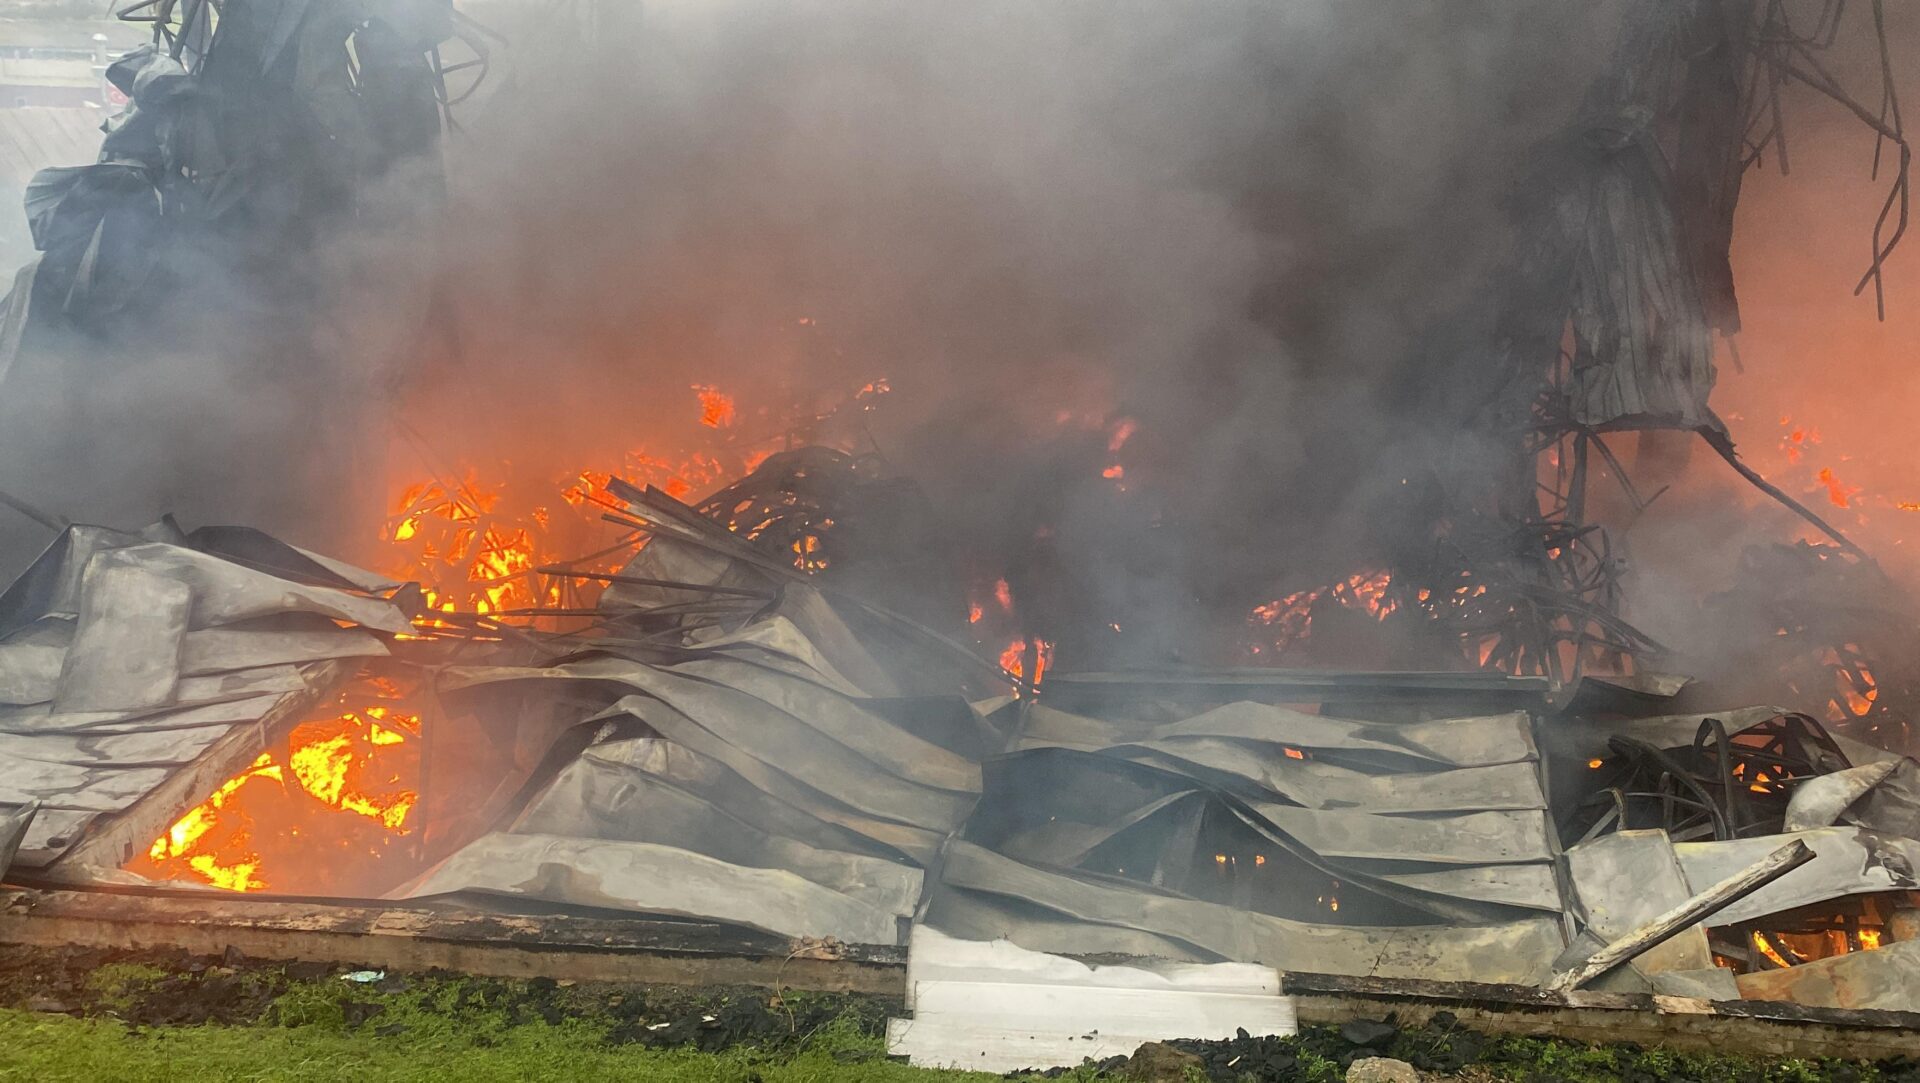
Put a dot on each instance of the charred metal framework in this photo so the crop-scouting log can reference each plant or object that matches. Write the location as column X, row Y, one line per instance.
column 1723, row 786
column 1609, row 326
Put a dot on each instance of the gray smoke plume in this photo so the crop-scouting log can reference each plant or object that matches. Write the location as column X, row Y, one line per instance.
column 1263, row 232
column 1236, row 224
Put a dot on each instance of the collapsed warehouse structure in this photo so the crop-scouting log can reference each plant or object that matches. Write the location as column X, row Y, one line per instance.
column 722, row 751
column 728, row 744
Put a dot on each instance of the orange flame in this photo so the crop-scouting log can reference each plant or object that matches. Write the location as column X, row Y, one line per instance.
column 339, row 766
column 1003, row 594
column 1796, row 442
column 1014, row 658
column 1290, row 619
column 716, row 406
column 349, row 779
column 1839, row 494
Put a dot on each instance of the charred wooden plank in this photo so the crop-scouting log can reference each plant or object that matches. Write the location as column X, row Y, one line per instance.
column 369, row 932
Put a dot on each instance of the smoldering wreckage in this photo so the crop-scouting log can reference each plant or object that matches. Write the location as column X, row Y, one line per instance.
column 712, row 750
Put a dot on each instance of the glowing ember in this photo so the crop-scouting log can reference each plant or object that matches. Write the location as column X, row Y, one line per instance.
column 1797, row 440
column 335, row 762
column 1839, row 494
column 806, row 554
column 1117, row 438
column 1003, row 593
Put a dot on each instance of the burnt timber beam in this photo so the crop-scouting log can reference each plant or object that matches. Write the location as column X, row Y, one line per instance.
column 1756, row 1027
column 415, row 938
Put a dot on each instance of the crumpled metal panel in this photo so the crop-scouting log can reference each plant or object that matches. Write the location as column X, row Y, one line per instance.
column 13, row 829
column 1455, row 742
column 1471, row 838
column 1821, row 801
column 226, row 593
column 126, row 646
column 1320, row 785
column 1520, row 951
column 40, row 720
column 124, row 659
column 914, row 840
column 772, row 778
column 1886, row 979
column 979, row 915
column 1893, row 805
column 602, row 795
column 767, row 777
column 1624, row 880
column 1847, row 861
column 1532, row 886
column 778, row 643
column 1446, row 817
column 31, row 660
column 50, row 587
column 684, row 769
column 654, row 879
column 794, row 727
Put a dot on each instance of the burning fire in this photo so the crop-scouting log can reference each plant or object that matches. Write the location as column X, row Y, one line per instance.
column 1839, row 493
column 349, row 780
column 1117, row 438
column 716, row 407
column 345, row 779
column 233, row 870
column 476, row 542
column 1014, row 658
column 1290, row 619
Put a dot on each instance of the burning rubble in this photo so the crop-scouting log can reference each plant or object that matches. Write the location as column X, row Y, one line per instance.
column 727, row 736
column 752, row 683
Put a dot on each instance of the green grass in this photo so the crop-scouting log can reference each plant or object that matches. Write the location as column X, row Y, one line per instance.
column 142, row 1020
column 437, row 1028
column 40, row 1047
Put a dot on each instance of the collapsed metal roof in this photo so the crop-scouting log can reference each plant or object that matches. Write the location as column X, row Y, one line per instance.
column 750, row 760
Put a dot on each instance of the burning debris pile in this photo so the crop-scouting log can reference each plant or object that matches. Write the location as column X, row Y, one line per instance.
column 725, row 735
column 131, row 658
column 727, row 714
